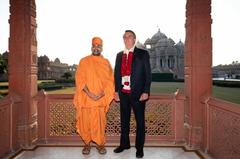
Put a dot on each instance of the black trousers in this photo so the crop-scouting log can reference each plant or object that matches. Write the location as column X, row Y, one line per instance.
column 126, row 103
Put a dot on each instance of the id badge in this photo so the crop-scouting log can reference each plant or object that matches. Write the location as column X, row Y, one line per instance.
column 125, row 79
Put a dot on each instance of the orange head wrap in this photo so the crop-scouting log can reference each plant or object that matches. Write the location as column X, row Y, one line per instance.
column 97, row 41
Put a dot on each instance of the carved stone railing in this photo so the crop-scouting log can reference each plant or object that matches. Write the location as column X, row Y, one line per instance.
column 222, row 129
column 8, row 122
column 5, row 125
column 164, row 119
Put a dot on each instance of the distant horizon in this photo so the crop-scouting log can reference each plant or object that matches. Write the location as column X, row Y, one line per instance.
column 238, row 62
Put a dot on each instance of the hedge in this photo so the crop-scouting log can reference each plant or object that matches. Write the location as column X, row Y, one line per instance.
column 4, row 87
column 219, row 83
column 49, row 86
column 65, row 81
column 165, row 77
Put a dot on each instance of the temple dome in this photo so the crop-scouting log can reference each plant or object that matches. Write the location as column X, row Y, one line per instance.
column 159, row 35
column 57, row 60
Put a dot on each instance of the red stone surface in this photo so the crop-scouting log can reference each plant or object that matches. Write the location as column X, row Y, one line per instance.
column 198, row 62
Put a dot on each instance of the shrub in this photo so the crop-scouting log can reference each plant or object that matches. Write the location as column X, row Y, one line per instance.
column 65, row 81
column 165, row 77
column 235, row 84
column 49, row 86
column 3, row 87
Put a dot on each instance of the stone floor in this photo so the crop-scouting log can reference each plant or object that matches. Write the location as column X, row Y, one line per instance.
column 75, row 153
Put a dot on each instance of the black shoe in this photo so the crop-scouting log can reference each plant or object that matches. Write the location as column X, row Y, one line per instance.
column 120, row 149
column 139, row 154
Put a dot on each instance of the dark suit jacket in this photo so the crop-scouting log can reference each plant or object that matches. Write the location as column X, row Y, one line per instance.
column 140, row 76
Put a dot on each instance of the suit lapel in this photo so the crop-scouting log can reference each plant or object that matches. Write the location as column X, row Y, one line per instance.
column 134, row 55
column 120, row 59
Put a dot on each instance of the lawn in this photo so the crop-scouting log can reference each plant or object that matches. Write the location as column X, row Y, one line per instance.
column 225, row 93
column 67, row 90
column 3, row 83
column 39, row 81
column 166, row 87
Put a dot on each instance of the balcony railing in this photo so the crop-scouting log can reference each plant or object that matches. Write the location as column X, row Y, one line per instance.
column 164, row 123
column 8, row 123
column 5, row 115
column 222, row 129
column 164, row 117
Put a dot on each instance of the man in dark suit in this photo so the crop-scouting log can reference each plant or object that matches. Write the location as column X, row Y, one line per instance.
column 132, row 87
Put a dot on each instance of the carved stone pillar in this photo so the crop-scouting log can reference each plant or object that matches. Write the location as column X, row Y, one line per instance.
column 23, row 68
column 176, row 62
column 158, row 66
column 198, row 62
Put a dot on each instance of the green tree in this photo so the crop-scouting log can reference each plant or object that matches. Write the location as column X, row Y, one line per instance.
column 3, row 65
column 67, row 75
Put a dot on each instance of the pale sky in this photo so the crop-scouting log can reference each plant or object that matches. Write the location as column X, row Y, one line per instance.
column 65, row 28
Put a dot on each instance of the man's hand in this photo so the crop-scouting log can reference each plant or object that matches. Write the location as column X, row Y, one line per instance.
column 143, row 97
column 116, row 97
column 100, row 95
column 96, row 97
column 92, row 96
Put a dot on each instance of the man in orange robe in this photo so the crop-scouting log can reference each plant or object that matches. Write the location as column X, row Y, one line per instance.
column 94, row 93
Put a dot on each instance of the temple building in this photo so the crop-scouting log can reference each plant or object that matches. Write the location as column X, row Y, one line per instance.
column 53, row 69
column 227, row 71
column 165, row 55
column 47, row 69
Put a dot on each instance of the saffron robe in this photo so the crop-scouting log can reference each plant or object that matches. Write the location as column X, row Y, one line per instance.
column 96, row 73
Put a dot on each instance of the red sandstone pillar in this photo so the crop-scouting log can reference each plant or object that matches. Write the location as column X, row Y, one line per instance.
column 23, row 69
column 198, row 63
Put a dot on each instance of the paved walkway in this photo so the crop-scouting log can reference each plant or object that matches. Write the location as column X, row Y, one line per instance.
column 76, row 153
